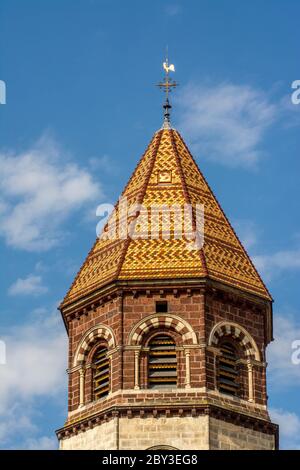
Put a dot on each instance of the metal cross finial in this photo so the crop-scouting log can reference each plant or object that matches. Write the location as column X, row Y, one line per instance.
column 167, row 86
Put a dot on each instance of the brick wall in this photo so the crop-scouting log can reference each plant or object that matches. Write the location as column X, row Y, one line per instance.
column 202, row 313
column 217, row 310
column 202, row 310
column 191, row 308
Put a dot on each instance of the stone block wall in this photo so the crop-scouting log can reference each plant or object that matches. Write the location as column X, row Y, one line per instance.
column 229, row 436
column 182, row 433
column 103, row 437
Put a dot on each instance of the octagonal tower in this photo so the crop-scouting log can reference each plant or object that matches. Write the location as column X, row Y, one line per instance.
column 167, row 331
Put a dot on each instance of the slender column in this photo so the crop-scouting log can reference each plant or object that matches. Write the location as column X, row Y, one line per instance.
column 215, row 352
column 250, row 380
column 81, row 386
column 137, row 369
column 215, row 370
column 110, row 373
column 187, row 353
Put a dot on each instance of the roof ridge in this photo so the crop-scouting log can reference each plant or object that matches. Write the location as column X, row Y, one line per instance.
column 187, row 197
column 91, row 251
column 226, row 218
column 158, row 136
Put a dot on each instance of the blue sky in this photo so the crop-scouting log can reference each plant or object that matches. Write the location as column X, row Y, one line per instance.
column 81, row 108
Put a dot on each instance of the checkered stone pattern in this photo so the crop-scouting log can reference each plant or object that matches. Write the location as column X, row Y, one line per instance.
column 91, row 339
column 234, row 332
column 187, row 333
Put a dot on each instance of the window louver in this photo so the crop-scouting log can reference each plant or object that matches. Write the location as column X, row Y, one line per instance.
column 101, row 373
column 227, row 373
column 162, row 366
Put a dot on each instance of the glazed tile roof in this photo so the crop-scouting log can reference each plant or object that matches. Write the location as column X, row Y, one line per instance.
column 167, row 175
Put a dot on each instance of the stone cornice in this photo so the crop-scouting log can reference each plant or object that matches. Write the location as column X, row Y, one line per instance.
column 169, row 410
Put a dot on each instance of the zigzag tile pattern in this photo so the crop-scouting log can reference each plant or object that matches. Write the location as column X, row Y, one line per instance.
column 147, row 254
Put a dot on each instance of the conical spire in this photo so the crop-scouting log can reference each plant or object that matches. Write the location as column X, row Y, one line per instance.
column 166, row 175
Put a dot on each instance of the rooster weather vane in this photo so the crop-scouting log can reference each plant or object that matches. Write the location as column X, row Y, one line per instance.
column 167, row 86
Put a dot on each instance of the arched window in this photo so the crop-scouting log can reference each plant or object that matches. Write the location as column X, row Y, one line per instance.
column 162, row 362
column 101, row 373
column 227, row 369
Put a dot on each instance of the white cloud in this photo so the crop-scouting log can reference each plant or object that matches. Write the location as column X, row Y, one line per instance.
column 106, row 164
column 272, row 265
column 289, row 422
column 41, row 267
column 226, row 122
column 269, row 265
column 14, row 421
column 39, row 189
column 36, row 355
column 247, row 232
column 41, row 443
column 289, row 428
column 35, row 370
column 30, row 285
column 283, row 373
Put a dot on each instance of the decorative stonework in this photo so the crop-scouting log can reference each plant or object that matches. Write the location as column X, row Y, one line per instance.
column 156, row 321
column 90, row 338
column 195, row 416
column 226, row 328
column 211, row 294
column 222, row 258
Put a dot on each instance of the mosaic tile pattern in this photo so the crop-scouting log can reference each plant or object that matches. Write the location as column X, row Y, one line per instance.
column 222, row 257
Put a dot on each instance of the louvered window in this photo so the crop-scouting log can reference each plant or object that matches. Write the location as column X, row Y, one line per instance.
column 227, row 370
column 101, row 373
column 162, row 366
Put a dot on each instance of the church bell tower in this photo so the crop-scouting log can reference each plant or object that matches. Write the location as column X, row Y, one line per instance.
column 168, row 319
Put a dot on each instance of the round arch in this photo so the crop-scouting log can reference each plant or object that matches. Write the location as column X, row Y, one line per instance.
column 238, row 332
column 161, row 320
column 162, row 447
column 95, row 333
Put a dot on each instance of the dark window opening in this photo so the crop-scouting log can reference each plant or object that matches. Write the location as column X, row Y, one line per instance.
column 227, row 370
column 162, row 306
column 101, row 373
column 162, row 364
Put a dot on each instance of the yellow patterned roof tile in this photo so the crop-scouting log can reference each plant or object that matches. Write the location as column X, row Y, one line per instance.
column 167, row 175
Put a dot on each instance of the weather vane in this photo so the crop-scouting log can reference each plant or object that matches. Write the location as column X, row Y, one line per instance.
column 167, row 86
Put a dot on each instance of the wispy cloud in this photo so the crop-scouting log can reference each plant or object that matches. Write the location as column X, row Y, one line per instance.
column 226, row 122
column 283, row 373
column 105, row 164
column 15, row 421
column 40, row 443
column 39, row 189
column 247, row 231
column 271, row 265
column 30, row 285
column 289, row 428
column 35, row 370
